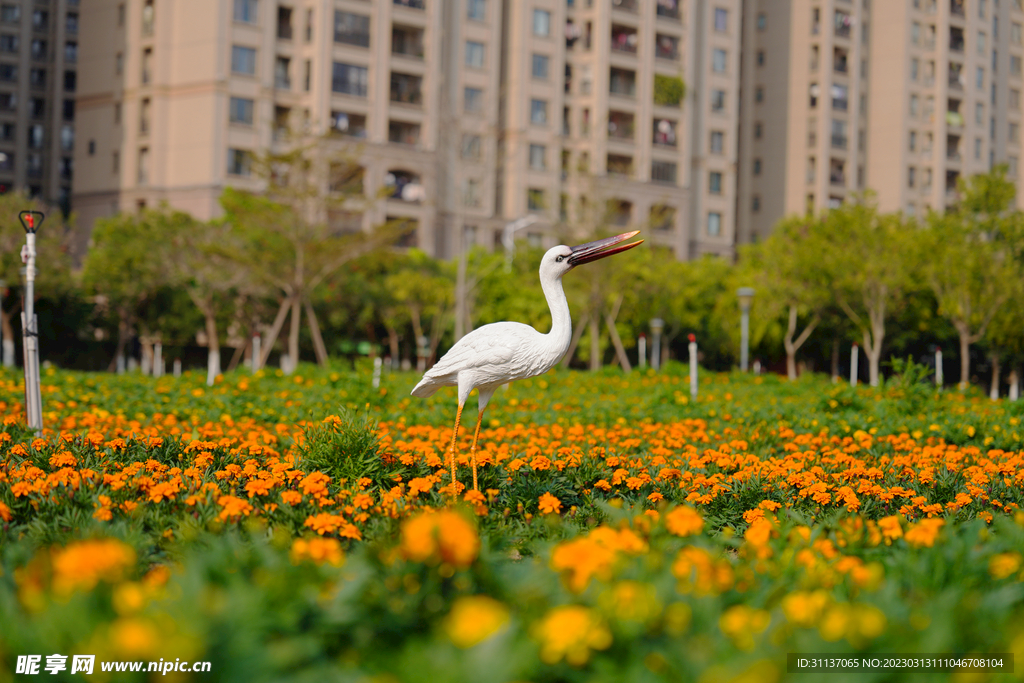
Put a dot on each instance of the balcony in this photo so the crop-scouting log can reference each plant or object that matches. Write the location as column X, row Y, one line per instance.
column 668, row 9
column 413, row 4
column 956, row 8
column 404, row 186
column 403, row 133
column 666, row 47
column 407, row 89
column 843, row 24
column 624, row 39
column 620, row 125
column 840, row 61
column 284, row 23
column 626, row 5
column 664, row 133
column 837, row 173
column 620, row 165
column 954, row 119
column 839, row 141
column 407, row 41
column 956, row 39
column 622, row 82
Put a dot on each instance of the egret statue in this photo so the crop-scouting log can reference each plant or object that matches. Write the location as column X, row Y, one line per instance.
column 498, row 353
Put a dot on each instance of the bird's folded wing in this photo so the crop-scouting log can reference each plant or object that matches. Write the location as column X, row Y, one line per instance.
column 497, row 347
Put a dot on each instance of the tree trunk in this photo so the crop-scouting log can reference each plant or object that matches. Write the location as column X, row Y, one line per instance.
column 620, row 351
column 835, row 359
column 275, row 330
column 965, row 357
column 574, row 342
column 239, row 353
column 993, row 391
column 873, row 350
column 7, row 330
column 595, row 342
column 293, row 336
column 393, row 344
column 314, row 330
column 123, row 332
column 213, row 357
column 793, row 346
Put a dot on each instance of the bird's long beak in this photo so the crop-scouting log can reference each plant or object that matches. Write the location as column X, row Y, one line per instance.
column 592, row 251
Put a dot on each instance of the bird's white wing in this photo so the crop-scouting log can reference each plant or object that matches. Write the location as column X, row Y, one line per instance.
column 487, row 346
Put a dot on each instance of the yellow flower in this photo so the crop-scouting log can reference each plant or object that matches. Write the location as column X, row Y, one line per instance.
column 890, row 526
column 474, row 619
column 83, row 564
column 1004, row 564
column 804, row 608
column 133, row 637
column 571, row 632
column 740, row 623
column 684, row 521
column 444, row 535
column 631, row 601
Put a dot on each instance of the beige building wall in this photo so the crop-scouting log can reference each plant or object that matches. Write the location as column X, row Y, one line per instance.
column 39, row 50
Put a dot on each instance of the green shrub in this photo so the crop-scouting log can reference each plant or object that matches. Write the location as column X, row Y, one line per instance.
column 669, row 91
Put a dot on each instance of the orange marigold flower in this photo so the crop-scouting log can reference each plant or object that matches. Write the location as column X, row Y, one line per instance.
column 315, row 484
column 446, row 536
column 82, row 564
column 317, row 550
column 684, row 521
column 1004, row 564
column 474, row 619
column 570, row 633
column 549, row 504
column 924, row 532
column 291, row 497
column 258, row 487
column 5, row 513
column 233, row 507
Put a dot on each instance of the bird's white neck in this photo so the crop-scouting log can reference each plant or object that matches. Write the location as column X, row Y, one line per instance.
column 560, row 335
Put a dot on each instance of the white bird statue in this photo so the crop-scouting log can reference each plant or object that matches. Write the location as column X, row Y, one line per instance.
column 498, row 353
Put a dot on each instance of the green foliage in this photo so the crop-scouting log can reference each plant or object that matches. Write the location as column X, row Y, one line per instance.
column 346, row 448
column 668, row 90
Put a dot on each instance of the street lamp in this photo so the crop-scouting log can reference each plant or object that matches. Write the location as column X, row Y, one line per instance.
column 746, row 296
column 508, row 237
column 31, row 220
column 657, row 325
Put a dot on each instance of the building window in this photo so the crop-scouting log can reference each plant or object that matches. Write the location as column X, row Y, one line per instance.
column 717, row 142
column 718, row 101
column 757, row 167
column 1014, row 132
column 143, row 175
column 539, row 112
column 714, row 224
column 759, row 94
column 718, row 59
column 9, row 43
column 245, row 11
column 755, row 203
column 70, row 52
column 239, row 162
column 118, row 63
column 541, row 23
column 721, row 19
column 535, row 199
column 762, row 21
column 1014, row 65
column 666, row 47
column 349, row 79
column 352, row 125
column 663, row 172
column 10, row 14
column 911, row 177
column 117, row 113
column 115, row 162
column 243, row 60
column 37, row 78
column 40, row 20
column 538, row 154
column 69, row 110
column 664, row 131
column 144, row 107
column 977, row 148
column 758, row 130
column 351, row 29
column 474, row 54
column 240, row 110
column 913, row 105
column 37, row 107
column 1015, row 33
column 473, row 100
column 760, row 57
column 70, row 81
column 406, row 88
column 476, row 10
column 979, row 113
column 715, row 182
column 913, row 141
column 540, row 66
column 622, row 82
column 71, row 23
column 282, row 73
column 470, row 146
column 39, row 50
column 9, row 73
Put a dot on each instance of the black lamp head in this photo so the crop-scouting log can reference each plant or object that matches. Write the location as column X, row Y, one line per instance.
column 31, row 220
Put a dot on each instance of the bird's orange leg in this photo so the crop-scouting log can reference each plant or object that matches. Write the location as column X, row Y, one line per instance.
column 455, row 434
column 472, row 451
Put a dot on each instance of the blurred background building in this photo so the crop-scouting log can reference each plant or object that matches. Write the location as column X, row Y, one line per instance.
column 471, row 114
column 38, row 79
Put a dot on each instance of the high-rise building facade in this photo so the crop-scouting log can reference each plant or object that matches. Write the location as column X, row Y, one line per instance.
column 901, row 98
column 466, row 114
column 38, row 79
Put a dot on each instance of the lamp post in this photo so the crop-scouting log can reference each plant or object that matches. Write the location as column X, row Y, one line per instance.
column 508, row 237
column 746, row 296
column 657, row 325
column 7, row 356
column 31, row 220
column 693, row 365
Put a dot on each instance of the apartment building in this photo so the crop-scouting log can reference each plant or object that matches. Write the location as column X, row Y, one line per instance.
column 466, row 114
column 38, row 79
column 901, row 98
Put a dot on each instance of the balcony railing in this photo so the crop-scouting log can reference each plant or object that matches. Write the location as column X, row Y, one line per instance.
column 626, row 5
column 956, row 8
column 839, row 141
column 414, row 4
column 837, row 178
column 668, row 9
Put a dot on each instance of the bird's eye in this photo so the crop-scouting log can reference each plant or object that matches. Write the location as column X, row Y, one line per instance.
column 560, row 259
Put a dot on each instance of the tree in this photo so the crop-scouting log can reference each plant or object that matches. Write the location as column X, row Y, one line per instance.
column 286, row 239
column 126, row 266
column 790, row 281
column 864, row 256
column 968, row 258
column 53, row 265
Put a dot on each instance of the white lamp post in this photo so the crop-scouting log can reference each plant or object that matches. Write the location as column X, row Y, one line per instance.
column 657, row 325
column 746, row 296
column 31, row 220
